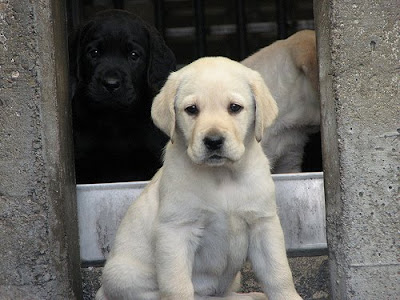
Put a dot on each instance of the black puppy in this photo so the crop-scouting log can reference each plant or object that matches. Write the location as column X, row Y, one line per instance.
column 118, row 64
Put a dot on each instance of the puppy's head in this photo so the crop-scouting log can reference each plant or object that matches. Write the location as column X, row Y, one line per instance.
column 118, row 59
column 215, row 107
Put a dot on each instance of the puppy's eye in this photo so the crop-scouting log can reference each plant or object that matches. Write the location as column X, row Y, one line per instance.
column 133, row 55
column 94, row 53
column 235, row 108
column 192, row 110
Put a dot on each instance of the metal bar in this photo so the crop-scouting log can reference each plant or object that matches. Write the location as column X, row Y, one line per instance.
column 269, row 28
column 159, row 16
column 300, row 200
column 241, row 23
column 281, row 19
column 200, row 28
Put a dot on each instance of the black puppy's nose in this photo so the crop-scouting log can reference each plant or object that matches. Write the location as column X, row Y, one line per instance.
column 111, row 82
column 213, row 142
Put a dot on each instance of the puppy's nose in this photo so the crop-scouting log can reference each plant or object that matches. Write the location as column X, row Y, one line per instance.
column 213, row 142
column 111, row 82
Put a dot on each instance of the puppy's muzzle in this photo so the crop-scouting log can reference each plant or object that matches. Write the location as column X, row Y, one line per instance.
column 111, row 81
column 214, row 142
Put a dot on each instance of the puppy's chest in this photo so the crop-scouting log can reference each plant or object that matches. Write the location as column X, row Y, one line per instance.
column 223, row 241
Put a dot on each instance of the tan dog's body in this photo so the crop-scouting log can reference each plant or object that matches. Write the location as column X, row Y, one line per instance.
column 212, row 204
column 289, row 68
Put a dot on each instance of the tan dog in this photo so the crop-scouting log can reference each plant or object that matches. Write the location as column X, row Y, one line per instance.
column 289, row 68
column 212, row 205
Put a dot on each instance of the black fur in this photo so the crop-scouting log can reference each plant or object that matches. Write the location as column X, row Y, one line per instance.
column 118, row 64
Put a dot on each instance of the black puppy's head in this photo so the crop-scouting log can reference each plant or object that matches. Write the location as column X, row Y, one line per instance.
column 119, row 60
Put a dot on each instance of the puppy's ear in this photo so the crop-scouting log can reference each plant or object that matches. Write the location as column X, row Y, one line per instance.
column 266, row 108
column 163, row 108
column 76, row 52
column 304, row 53
column 161, row 62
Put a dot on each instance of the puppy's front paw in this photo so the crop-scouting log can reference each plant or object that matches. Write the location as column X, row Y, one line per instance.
column 258, row 296
column 247, row 296
column 288, row 296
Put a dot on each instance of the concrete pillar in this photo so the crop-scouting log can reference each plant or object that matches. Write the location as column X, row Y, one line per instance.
column 39, row 251
column 359, row 45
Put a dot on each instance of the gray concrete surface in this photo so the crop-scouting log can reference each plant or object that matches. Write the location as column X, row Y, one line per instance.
column 359, row 45
column 38, row 228
column 310, row 275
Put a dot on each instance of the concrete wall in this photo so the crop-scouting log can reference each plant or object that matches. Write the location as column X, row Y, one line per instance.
column 359, row 83
column 38, row 228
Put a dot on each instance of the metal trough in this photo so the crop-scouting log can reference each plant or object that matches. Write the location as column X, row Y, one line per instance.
column 300, row 199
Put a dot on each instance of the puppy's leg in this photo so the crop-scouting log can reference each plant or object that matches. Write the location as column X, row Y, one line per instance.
column 290, row 162
column 124, row 279
column 236, row 283
column 267, row 254
column 291, row 159
column 100, row 294
column 232, row 295
column 253, row 296
column 175, row 249
column 289, row 151
column 236, row 296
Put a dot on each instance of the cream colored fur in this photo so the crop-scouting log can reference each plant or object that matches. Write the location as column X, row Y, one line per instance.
column 209, row 208
column 289, row 68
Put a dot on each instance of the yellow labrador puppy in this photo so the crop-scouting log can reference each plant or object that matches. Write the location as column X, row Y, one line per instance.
column 289, row 68
column 212, row 205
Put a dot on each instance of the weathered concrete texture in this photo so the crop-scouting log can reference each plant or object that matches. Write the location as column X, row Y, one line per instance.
column 38, row 228
column 359, row 45
column 310, row 275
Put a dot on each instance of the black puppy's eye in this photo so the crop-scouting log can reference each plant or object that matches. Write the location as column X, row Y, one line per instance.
column 235, row 108
column 192, row 110
column 94, row 53
column 133, row 55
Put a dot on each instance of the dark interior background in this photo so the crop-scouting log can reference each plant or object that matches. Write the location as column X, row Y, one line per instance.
column 264, row 22
column 197, row 28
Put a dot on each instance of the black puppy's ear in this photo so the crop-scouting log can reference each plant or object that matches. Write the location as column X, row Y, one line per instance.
column 75, row 49
column 75, row 52
column 161, row 62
